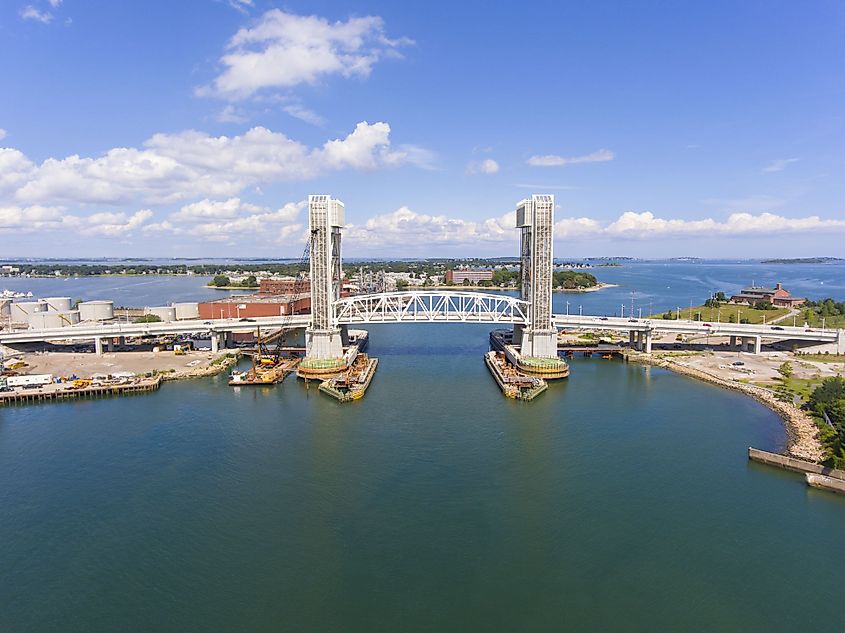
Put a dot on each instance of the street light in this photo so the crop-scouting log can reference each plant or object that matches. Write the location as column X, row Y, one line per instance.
column 580, row 311
column 567, row 308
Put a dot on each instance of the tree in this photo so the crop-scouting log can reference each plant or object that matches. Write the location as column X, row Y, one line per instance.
column 250, row 282
column 466, row 282
column 764, row 305
column 220, row 281
column 401, row 285
column 785, row 370
column 731, row 318
column 148, row 318
column 720, row 297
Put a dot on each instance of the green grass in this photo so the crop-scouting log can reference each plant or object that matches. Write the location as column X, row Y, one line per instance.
column 814, row 320
column 723, row 314
column 823, row 358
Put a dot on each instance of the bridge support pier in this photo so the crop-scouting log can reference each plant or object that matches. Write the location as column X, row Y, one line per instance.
column 631, row 338
column 110, row 345
column 647, row 342
column 539, row 343
column 324, row 343
column 758, row 344
column 98, row 346
column 639, row 345
column 732, row 343
column 215, row 342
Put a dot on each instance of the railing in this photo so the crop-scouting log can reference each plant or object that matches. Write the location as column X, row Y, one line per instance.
column 421, row 306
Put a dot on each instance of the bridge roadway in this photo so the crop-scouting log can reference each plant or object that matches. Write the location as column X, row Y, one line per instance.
column 645, row 328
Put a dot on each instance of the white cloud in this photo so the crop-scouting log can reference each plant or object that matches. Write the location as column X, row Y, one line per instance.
column 487, row 166
column 242, row 5
column 2, row 133
column 230, row 114
column 397, row 230
column 282, row 50
column 222, row 220
column 31, row 13
column 190, row 164
column 404, row 226
column 113, row 224
column 55, row 3
column 298, row 111
column 779, row 165
column 552, row 160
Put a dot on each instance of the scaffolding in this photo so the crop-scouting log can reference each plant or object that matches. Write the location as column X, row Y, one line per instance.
column 325, row 220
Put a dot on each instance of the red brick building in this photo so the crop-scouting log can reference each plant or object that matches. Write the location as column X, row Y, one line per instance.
column 250, row 306
column 284, row 286
column 778, row 296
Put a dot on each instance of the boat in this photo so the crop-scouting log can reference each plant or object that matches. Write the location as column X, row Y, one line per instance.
column 11, row 294
column 351, row 384
column 513, row 383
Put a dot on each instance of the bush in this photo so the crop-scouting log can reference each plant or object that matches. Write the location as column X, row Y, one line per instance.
column 148, row 318
column 221, row 280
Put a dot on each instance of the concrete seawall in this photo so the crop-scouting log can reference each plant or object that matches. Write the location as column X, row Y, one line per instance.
column 796, row 465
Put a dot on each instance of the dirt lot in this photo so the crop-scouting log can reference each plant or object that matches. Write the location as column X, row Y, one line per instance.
column 87, row 364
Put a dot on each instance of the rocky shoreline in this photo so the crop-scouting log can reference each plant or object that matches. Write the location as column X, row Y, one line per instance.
column 801, row 431
column 212, row 369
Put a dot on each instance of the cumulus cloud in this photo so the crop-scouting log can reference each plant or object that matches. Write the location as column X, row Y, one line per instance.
column 17, row 219
column 174, row 167
column 779, row 165
column 113, row 224
column 488, row 166
column 223, row 220
column 242, row 5
column 552, row 160
column 29, row 12
column 230, row 114
column 402, row 227
column 283, row 50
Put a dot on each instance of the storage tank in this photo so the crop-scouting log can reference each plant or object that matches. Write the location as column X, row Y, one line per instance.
column 165, row 313
column 57, row 304
column 22, row 309
column 44, row 320
column 96, row 310
column 188, row 310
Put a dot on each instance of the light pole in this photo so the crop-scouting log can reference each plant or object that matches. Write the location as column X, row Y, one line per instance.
column 567, row 308
column 580, row 311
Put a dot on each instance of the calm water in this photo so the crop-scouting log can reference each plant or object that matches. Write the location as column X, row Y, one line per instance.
column 620, row 500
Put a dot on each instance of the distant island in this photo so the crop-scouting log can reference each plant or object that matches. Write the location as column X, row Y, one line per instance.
column 804, row 260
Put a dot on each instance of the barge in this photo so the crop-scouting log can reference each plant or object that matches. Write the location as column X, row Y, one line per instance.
column 351, row 384
column 513, row 383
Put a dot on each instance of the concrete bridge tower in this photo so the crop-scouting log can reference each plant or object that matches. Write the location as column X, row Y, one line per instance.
column 535, row 219
column 325, row 221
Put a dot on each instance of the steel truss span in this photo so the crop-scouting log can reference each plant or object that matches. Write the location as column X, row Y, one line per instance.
column 431, row 307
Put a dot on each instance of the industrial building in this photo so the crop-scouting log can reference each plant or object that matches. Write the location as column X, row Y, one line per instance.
column 472, row 277
column 250, row 306
column 283, row 286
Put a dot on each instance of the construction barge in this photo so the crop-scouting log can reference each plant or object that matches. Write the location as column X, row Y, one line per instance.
column 351, row 384
column 513, row 383
column 268, row 374
column 545, row 368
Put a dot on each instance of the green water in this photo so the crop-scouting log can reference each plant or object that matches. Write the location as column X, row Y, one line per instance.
column 619, row 500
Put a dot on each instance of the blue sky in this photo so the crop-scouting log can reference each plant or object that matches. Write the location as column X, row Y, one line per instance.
column 199, row 128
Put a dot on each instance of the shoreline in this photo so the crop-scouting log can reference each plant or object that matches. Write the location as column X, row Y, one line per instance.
column 801, row 431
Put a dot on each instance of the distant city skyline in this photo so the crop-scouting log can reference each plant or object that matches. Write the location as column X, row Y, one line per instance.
column 173, row 130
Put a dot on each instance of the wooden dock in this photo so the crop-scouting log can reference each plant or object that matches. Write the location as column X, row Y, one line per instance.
column 66, row 391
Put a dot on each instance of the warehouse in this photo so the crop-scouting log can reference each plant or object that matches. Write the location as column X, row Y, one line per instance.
column 250, row 306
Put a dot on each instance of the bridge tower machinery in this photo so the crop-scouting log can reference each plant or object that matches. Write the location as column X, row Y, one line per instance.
column 535, row 219
column 323, row 337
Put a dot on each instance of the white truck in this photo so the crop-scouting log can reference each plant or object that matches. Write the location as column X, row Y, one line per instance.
column 30, row 380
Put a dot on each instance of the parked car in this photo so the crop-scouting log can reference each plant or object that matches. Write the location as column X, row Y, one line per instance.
column 706, row 325
column 738, row 363
column 602, row 318
column 776, row 327
column 248, row 320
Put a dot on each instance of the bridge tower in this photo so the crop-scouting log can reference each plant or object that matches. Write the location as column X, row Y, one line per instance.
column 325, row 221
column 535, row 219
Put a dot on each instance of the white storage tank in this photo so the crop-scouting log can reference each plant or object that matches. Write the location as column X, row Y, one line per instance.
column 165, row 313
column 57, row 304
column 188, row 310
column 47, row 320
column 22, row 309
column 96, row 310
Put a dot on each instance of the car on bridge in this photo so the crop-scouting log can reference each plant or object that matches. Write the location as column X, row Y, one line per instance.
column 707, row 325
column 776, row 327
